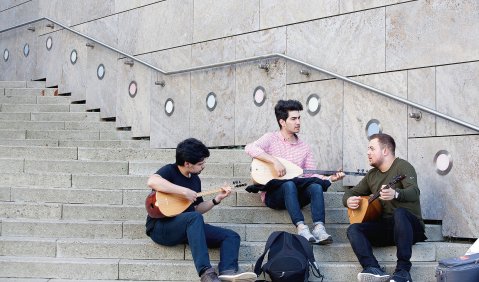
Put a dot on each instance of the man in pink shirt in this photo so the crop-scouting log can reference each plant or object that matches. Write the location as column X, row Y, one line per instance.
column 296, row 193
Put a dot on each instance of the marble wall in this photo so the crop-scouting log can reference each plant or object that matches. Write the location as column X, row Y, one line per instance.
column 425, row 51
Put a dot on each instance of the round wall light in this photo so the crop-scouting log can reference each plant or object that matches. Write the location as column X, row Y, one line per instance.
column 314, row 104
column 6, row 55
column 169, row 107
column 211, row 101
column 132, row 89
column 372, row 127
column 443, row 162
column 73, row 56
column 49, row 43
column 100, row 71
column 26, row 49
column 259, row 96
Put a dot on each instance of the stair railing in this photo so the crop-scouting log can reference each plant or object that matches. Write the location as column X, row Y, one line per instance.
column 261, row 57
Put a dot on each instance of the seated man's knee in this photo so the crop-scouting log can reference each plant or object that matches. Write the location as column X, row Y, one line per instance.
column 289, row 187
column 194, row 216
column 400, row 213
column 352, row 230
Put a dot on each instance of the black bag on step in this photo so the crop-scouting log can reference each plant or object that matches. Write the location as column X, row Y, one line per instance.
column 290, row 258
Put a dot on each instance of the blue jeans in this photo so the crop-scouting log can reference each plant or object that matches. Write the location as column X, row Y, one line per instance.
column 402, row 230
column 190, row 228
column 288, row 197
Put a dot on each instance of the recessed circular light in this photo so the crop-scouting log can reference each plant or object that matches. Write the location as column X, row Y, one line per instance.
column 211, row 101
column 372, row 127
column 169, row 107
column 100, row 71
column 314, row 104
column 259, row 96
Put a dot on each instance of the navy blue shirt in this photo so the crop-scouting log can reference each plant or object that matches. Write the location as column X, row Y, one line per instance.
column 171, row 173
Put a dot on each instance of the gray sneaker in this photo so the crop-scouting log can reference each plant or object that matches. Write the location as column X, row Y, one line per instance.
column 304, row 231
column 237, row 276
column 373, row 274
column 209, row 276
column 319, row 232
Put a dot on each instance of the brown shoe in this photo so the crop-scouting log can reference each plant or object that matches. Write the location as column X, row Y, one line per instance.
column 209, row 276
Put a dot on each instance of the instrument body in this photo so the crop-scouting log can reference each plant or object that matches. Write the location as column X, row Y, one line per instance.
column 159, row 204
column 369, row 209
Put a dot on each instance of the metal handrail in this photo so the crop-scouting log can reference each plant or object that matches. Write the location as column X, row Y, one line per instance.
column 255, row 58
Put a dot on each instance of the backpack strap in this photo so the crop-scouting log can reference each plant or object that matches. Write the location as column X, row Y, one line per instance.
column 271, row 239
column 309, row 252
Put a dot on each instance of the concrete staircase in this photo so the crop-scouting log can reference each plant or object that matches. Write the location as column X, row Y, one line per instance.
column 72, row 190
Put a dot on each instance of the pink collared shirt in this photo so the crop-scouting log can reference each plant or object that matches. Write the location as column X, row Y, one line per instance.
column 273, row 143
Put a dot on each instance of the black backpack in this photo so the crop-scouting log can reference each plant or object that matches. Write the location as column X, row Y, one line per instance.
column 289, row 260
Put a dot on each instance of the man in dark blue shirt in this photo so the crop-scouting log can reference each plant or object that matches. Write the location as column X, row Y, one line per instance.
column 181, row 180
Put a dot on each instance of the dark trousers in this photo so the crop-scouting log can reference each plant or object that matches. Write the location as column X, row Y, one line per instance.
column 289, row 197
column 402, row 230
column 190, row 228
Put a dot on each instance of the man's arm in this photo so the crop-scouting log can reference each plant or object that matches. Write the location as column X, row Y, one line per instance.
column 158, row 183
column 259, row 150
column 361, row 189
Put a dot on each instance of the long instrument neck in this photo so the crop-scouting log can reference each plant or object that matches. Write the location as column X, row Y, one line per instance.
column 209, row 192
column 330, row 172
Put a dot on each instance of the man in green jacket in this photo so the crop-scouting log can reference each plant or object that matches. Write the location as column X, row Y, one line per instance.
column 400, row 223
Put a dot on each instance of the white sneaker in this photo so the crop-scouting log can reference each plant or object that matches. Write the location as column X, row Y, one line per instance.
column 303, row 230
column 319, row 233
column 234, row 276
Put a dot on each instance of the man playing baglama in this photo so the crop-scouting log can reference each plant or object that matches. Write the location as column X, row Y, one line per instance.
column 181, row 180
column 401, row 222
column 294, row 194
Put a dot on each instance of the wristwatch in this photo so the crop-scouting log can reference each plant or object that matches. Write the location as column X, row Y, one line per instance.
column 214, row 201
column 396, row 195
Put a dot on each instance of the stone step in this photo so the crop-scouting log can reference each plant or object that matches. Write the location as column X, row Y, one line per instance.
column 70, row 166
column 64, row 195
column 211, row 169
column 33, row 99
column 126, row 197
column 136, row 182
column 14, row 84
column 46, row 153
column 54, row 228
column 42, row 267
column 31, row 91
column 160, row 155
column 135, row 229
column 36, row 179
column 32, row 125
column 66, row 116
column 30, row 142
column 168, row 270
column 145, row 144
column 12, row 134
column 36, row 108
column 249, row 251
column 57, row 125
column 15, row 116
column 224, row 214
column 78, row 134
column 71, row 143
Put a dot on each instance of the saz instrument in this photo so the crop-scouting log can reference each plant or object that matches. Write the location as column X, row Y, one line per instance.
column 159, row 204
column 369, row 209
column 262, row 172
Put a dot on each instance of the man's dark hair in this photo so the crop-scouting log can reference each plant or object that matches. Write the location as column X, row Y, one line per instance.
column 283, row 107
column 191, row 150
column 385, row 140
